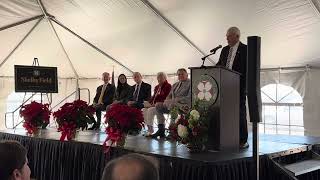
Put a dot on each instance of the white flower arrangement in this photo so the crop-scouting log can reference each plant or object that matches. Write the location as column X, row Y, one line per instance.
column 182, row 131
column 195, row 115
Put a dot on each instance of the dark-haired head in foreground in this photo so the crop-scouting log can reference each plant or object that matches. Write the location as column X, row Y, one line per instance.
column 131, row 167
column 13, row 161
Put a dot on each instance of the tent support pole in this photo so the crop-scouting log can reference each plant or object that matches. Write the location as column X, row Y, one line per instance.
column 61, row 45
column 22, row 40
column 315, row 7
column 21, row 22
column 90, row 44
column 174, row 28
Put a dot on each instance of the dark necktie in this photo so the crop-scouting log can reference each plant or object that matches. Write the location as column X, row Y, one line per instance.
column 136, row 92
column 228, row 64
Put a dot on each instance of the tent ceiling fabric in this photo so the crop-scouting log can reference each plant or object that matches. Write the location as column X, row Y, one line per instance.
column 12, row 11
column 42, row 44
column 135, row 36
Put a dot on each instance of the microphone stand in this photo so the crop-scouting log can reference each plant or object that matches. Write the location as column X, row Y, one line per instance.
column 205, row 57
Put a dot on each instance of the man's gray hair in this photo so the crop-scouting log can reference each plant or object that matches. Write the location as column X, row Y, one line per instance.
column 137, row 73
column 234, row 30
column 105, row 74
column 164, row 75
column 148, row 167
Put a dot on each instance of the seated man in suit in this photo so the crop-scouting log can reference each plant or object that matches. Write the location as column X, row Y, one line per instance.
column 234, row 56
column 140, row 92
column 180, row 96
column 103, row 98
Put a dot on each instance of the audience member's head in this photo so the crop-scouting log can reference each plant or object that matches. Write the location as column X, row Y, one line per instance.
column 122, row 79
column 13, row 161
column 233, row 36
column 182, row 74
column 161, row 77
column 132, row 167
column 106, row 77
column 137, row 77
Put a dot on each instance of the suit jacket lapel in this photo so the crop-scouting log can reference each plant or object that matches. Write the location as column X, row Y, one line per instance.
column 139, row 90
column 238, row 51
column 107, row 88
column 237, row 57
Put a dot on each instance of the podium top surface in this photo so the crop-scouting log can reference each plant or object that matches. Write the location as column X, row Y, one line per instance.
column 214, row 67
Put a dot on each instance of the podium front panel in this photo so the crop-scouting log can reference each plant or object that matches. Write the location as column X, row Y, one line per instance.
column 218, row 88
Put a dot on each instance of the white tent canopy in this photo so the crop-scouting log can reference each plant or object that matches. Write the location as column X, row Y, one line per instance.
column 84, row 38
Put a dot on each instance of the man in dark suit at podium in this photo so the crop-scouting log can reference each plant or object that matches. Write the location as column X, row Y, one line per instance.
column 234, row 56
column 140, row 92
column 103, row 98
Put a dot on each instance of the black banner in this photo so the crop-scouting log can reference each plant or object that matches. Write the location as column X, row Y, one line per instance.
column 36, row 79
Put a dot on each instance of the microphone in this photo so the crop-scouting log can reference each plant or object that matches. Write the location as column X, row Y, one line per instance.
column 215, row 49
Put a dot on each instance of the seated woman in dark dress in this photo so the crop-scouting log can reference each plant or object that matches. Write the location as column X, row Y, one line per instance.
column 123, row 90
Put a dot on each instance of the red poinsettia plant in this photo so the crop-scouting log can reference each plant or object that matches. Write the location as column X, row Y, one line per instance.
column 73, row 116
column 190, row 127
column 35, row 116
column 123, row 120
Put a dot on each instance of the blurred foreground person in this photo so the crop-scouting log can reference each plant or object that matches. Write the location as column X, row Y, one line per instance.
column 132, row 167
column 13, row 161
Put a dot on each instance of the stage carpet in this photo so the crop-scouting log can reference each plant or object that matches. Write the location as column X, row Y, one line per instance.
column 84, row 158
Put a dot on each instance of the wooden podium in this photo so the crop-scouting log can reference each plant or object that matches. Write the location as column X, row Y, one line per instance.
column 219, row 87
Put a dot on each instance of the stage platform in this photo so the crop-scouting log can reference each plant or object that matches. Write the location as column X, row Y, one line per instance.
column 84, row 158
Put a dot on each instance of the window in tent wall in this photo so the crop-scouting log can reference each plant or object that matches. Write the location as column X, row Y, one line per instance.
column 14, row 100
column 282, row 110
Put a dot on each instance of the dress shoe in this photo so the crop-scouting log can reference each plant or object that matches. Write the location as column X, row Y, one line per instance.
column 95, row 127
column 160, row 133
column 92, row 128
column 244, row 145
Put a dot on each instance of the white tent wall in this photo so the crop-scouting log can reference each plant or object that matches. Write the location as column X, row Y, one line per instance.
column 6, row 87
column 307, row 83
column 312, row 103
column 92, row 85
column 295, row 78
column 66, row 87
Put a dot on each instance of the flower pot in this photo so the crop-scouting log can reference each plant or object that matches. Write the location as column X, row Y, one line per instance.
column 194, row 148
column 36, row 133
column 75, row 134
column 121, row 142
